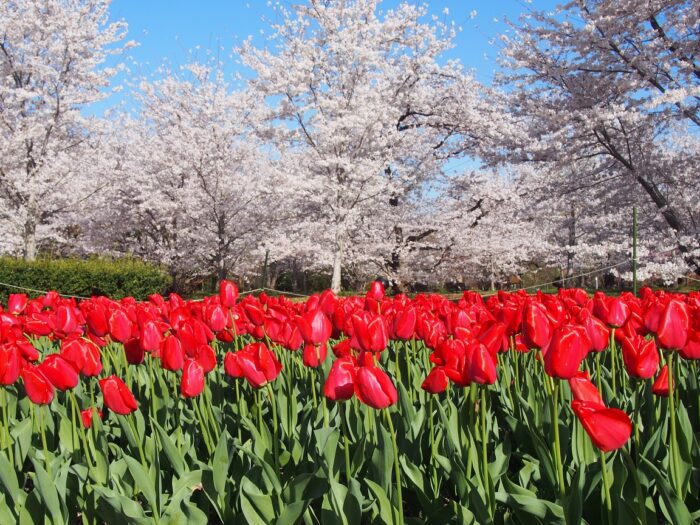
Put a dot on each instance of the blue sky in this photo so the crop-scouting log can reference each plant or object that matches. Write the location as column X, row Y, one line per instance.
column 177, row 31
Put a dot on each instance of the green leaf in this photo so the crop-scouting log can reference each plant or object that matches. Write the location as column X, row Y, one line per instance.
column 385, row 508
column 5, row 515
column 292, row 512
column 257, row 507
column 143, row 481
column 183, row 489
column 47, row 491
column 10, row 484
column 573, row 505
column 220, row 463
column 170, row 449
column 22, row 436
column 672, row 506
column 527, row 502
column 113, row 507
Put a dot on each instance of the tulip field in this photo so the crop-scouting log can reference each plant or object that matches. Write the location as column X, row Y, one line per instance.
column 513, row 408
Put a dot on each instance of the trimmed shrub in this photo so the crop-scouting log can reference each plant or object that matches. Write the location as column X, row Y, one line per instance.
column 115, row 278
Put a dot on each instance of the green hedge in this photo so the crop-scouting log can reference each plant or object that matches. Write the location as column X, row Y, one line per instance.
column 115, row 278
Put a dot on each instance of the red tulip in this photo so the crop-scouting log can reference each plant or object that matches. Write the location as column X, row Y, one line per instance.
column 598, row 334
column 493, row 337
column 568, row 347
column 16, row 303
column 172, row 357
column 86, row 416
column 608, row 428
column 206, row 357
column 660, row 386
column 228, row 293
column 374, row 297
column 314, row 355
column 39, row 389
column 73, row 350
column 97, row 321
column 150, row 337
column 691, row 350
column 640, row 356
column 315, row 327
column 66, row 320
column 120, row 326
column 673, row 325
column 217, row 318
column 436, row 381
column 60, row 372
column 537, row 329
column 370, row 333
column 84, row 355
column 618, row 312
column 10, row 363
column 93, row 360
column 231, row 366
column 583, row 389
column 192, row 382
column 340, row 383
column 374, row 388
column 482, row 364
column 405, row 324
column 342, row 348
column 117, row 396
column 134, row 352
column 256, row 363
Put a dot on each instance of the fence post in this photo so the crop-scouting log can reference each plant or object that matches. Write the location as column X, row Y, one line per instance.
column 634, row 250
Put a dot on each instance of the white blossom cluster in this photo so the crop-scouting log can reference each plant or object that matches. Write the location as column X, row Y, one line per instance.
column 340, row 153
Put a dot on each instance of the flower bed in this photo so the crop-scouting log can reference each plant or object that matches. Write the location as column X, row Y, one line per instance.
column 365, row 409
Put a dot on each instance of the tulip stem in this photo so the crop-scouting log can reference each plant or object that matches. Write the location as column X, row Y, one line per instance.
column 313, row 390
column 132, row 423
column 346, row 441
column 202, row 426
column 240, row 408
column 397, row 469
column 153, row 386
column 516, row 367
column 613, row 366
column 484, row 451
column 557, row 447
column 433, row 453
column 598, row 377
column 275, row 443
column 83, row 435
column 637, row 402
column 43, row 441
column 606, row 488
column 395, row 348
column 5, row 427
column 675, row 471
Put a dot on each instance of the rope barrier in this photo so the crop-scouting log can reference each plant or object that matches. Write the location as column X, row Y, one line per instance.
column 43, row 292
column 292, row 294
column 541, row 285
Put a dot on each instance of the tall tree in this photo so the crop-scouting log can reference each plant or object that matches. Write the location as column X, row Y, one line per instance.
column 52, row 66
column 607, row 87
column 202, row 190
column 363, row 93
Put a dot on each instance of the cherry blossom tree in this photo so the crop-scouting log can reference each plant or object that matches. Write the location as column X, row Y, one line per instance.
column 364, row 94
column 202, row 190
column 607, row 91
column 52, row 66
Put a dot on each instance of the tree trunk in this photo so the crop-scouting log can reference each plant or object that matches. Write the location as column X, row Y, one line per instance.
column 672, row 219
column 337, row 262
column 569, row 283
column 29, row 235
